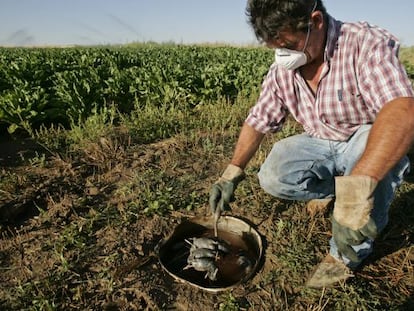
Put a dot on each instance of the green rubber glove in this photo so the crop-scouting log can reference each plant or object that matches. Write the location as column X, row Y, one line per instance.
column 351, row 221
column 222, row 191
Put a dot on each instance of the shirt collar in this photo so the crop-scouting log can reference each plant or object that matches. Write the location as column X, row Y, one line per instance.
column 334, row 29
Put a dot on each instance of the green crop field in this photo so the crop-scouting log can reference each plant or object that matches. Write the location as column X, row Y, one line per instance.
column 45, row 86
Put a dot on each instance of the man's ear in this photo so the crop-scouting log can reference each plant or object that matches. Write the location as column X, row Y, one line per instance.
column 316, row 20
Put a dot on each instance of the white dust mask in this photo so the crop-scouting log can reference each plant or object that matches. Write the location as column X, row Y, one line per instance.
column 290, row 59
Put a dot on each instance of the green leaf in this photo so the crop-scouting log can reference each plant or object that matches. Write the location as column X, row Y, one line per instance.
column 12, row 128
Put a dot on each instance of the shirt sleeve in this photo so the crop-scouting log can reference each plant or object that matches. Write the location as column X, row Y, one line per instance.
column 268, row 114
column 382, row 76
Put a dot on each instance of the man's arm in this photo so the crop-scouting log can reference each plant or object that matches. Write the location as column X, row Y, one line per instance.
column 222, row 191
column 389, row 140
column 247, row 145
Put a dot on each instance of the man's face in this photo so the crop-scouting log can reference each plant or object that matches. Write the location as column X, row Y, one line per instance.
column 297, row 40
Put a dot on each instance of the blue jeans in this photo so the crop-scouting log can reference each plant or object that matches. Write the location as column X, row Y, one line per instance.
column 302, row 167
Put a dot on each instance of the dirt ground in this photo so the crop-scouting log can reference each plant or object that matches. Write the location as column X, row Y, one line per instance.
column 72, row 240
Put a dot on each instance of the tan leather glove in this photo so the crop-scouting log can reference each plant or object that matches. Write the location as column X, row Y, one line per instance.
column 222, row 191
column 351, row 222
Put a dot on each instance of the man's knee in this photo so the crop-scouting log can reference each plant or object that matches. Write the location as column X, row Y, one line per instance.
column 273, row 184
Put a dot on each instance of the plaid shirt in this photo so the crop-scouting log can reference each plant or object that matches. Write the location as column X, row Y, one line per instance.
column 361, row 74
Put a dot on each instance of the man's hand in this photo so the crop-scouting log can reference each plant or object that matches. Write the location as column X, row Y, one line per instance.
column 222, row 191
column 351, row 222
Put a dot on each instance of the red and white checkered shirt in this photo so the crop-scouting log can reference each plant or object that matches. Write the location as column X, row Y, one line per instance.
column 361, row 74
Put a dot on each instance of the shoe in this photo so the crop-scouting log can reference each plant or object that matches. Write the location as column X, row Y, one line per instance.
column 317, row 206
column 329, row 272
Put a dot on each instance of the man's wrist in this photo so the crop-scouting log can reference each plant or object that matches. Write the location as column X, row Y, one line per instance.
column 354, row 200
column 359, row 171
column 233, row 173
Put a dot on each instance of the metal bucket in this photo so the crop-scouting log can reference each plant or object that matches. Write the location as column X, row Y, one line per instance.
column 172, row 251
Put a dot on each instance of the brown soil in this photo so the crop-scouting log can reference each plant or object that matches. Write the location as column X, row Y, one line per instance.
column 70, row 238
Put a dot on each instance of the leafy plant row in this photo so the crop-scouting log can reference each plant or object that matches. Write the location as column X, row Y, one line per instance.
column 59, row 85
